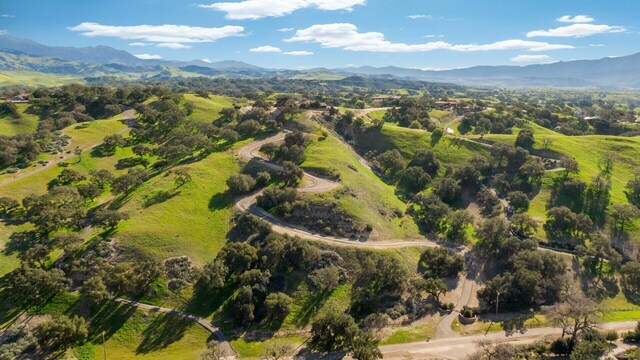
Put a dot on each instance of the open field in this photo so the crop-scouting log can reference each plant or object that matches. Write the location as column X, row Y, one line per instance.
column 24, row 123
column 449, row 151
column 32, row 78
column 191, row 220
column 207, row 110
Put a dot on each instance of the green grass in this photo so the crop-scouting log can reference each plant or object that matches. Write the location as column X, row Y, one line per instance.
column 33, row 78
column 23, row 124
column 256, row 349
column 449, row 151
column 412, row 333
column 377, row 114
column 82, row 137
column 439, row 114
column 368, row 198
column 153, row 336
column 589, row 150
column 207, row 110
column 193, row 221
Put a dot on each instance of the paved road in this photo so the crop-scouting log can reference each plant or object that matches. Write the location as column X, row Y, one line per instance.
column 461, row 347
column 127, row 115
column 310, row 183
column 224, row 344
column 443, row 329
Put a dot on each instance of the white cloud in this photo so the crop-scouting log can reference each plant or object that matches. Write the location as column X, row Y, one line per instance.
column 169, row 36
column 266, row 49
column 207, row 61
column 575, row 19
column 7, row 16
column 2, row 31
column 299, row 53
column 531, row 58
column 420, row 16
column 346, row 36
column 257, row 9
column 171, row 45
column 139, row 44
column 577, row 30
column 286, row 29
column 148, row 56
column 596, row 45
column 430, row 36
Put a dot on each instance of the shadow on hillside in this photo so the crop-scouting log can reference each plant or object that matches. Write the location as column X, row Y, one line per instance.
column 107, row 320
column 160, row 196
column 221, row 200
column 162, row 332
column 19, row 242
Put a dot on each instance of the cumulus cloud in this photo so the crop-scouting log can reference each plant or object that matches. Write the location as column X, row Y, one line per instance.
column 576, row 31
column 575, row 19
column 531, row 58
column 420, row 16
column 299, row 53
column 169, row 36
column 173, row 46
column 286, row 29
column 257, row 9
column 266, row 49
column 148, row 56
column 346, row 36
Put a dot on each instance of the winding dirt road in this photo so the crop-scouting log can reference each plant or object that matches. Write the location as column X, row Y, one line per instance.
column 310, row 183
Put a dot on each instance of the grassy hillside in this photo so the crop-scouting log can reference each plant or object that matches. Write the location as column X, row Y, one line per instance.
column 25, row 123
column 362, row 193
column 32, row 78
column 449, row 151
column 81, row 136
column 207, row 110
column 191, row 220
column 588, row 151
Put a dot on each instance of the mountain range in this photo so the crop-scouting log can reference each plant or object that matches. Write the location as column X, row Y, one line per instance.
column 22, row 54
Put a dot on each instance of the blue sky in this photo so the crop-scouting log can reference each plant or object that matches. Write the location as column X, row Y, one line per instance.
column 427, row 34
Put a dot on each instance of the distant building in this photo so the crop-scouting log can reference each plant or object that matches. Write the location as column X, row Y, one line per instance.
column 446, row 104
column 386, row 97
column 450, row 131
column 20, row 98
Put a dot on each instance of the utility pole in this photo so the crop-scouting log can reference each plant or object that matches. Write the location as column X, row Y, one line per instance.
column 104, row 347
column 497, row 301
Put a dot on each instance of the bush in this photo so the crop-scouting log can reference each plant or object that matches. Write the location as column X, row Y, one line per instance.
column 241, row 183
column 562, row 346
column 611, row 335
column 263, row 178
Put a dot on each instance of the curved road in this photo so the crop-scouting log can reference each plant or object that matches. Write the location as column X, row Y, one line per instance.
column 223, row 343
column 313, row 183
column 310, row 183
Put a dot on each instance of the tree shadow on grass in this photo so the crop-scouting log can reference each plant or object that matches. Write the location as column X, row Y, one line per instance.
column 19, row 242
column 162, row 332
column 221, row 200
column 160, row 196
column 310, row 307
column 108, row 319
column 204, row 303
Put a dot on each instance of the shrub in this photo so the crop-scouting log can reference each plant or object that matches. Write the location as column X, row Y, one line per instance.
column 241, row 183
